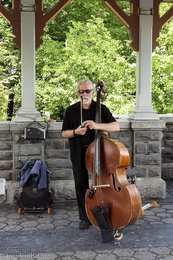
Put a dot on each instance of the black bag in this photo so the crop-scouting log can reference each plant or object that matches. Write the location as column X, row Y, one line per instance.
column 35, row 195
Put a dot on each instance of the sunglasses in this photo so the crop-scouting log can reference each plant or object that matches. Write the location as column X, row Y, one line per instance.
column 82, row 91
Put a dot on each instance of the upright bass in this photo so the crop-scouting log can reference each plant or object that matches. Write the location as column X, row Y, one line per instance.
column 110, row 193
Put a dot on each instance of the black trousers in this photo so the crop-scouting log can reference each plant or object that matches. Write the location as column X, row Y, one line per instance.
column 81, row 184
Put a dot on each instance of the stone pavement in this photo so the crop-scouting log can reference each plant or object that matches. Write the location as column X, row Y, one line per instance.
column 57, row 237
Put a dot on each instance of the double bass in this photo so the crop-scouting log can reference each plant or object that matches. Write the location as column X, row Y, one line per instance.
column 106, row 161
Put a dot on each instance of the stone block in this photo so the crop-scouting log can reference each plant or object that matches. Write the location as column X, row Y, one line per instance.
column 64, row 189
column 54, row 144
column 154, row 171
column 150, row 188
column 169, row 126
column 57, row 154
column 6, row 165
column 166, row 151
column 3, row 199
column 167, row 171
column 58, row 163
column 141, row 148
column 8, row 175
column 19, row 139
column 27, row 150
column 154, row 147
column 148, row 159
column 147, row 124
column 53, row 135
column 169, row 159
column 4, row 136
column 148, row 135
column 167, row 135
column 5, row 145
column 5, row 156
column 121, row 135
column 141, row 171
column 169, row 143
column 167, row 118
column 12, row 188
column 60, row 174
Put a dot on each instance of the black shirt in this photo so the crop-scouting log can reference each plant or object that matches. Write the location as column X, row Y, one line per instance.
column 72, row 120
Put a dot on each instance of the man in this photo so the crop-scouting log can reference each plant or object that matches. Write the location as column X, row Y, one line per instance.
column 79, row 127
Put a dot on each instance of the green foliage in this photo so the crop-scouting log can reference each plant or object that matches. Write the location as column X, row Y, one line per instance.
column 9, row 68
column 51, row 78
column 93, row 54
column 82, row 11
column 162, row 71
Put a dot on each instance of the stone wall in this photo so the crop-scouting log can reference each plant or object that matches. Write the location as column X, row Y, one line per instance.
column 167, row 148
column 150, row 144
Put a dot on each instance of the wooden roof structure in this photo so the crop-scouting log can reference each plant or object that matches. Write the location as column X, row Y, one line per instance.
column 130, row 21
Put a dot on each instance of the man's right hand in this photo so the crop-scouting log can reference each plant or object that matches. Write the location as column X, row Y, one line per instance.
column 81, row 130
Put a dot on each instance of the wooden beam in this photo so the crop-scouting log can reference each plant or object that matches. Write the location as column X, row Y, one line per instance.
column 14, row 19
column 42, row 19
column 16, row 22
column 158, row 21
column 5, row 13
column 131, row 22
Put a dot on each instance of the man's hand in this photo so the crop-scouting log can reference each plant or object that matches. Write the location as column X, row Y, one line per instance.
column 90, row 124
column 81, row 130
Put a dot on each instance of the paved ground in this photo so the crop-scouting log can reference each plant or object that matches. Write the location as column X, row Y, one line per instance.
column 57, row 237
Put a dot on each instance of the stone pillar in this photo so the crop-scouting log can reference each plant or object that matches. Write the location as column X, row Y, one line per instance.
column 6, row 151
column 147, row 139
column 28, row 112
column 143, row 109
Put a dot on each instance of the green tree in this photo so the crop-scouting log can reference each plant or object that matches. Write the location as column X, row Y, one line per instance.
column 9, row 72
column 162, row 71
column 82, row 11
column 93, row 54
